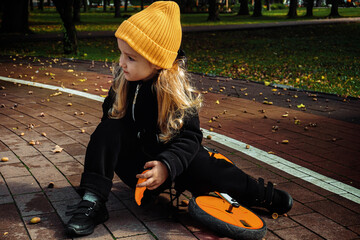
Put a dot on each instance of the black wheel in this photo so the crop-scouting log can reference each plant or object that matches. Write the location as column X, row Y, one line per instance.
column 237, row 223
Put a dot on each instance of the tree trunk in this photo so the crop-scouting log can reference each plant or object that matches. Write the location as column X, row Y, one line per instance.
column 76, row 7
column 104, row 2
column 309, row 8
column 213, row 11
column 117, row 8
column 41, row 5
column 292, row 9
column 257, row 8
column 15, row 18
column 244, row 8
column 65, row 9
column 84, row 4
column 268, row 7
column 126, row 5
column 334, row 9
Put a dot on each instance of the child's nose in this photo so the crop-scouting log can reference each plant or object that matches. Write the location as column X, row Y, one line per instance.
column 122, row 62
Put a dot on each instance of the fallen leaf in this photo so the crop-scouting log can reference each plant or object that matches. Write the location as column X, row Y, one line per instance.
column 4, row 159
column 285, row 141
column 217, row 102
column 57, row 149
column 301, row 106
column 69, row 104
column 247, row 147
column 82, row 130
column 209, row 137
column 43, row 134
column 32, row 142
column 35, row 220
column 70, row 70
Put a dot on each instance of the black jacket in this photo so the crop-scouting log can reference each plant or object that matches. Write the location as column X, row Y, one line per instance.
column 142, row 113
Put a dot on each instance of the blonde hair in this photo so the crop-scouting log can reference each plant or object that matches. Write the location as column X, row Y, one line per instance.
column 177, row 98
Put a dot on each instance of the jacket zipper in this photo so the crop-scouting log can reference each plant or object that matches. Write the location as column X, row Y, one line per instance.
column 134, row 101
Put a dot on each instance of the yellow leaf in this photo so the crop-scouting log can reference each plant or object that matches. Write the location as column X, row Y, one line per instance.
column 301, row 106
column 104, row 90
column 266, row 83
column 70, row 70
column 217, row 102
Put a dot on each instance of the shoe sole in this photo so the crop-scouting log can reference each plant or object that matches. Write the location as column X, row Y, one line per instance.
column 72, row 232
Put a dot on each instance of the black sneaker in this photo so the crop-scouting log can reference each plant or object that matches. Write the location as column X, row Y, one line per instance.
column 85, row 217
column 274, row 200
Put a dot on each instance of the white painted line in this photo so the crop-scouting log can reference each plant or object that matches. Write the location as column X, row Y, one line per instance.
column 329, row 184
column 52, row 87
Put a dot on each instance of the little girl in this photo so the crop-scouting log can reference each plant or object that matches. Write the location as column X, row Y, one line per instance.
column 150, row 121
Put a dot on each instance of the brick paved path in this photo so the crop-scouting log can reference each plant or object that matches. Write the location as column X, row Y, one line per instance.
column 331, row 148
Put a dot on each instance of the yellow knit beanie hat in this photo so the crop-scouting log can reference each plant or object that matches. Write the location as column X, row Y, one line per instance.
column 155, row 33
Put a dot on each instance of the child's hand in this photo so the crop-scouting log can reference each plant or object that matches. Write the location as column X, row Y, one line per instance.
column 155, row 176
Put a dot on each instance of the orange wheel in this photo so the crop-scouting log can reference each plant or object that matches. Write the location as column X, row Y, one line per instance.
column 236, row 222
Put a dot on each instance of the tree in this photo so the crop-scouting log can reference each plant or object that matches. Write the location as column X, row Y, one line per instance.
column 257, row 8
column 41, row 5
column 85, row 5
column 244, row 8
column 213, row 11
column 65, row 9
column 292, row 9
column 334, row 8
column 309, row 7
column 126, row 5
column 15, row 18
column 117, row 8
column 76, row 9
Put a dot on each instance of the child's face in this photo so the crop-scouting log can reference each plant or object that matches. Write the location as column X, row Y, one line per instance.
column 135, row 66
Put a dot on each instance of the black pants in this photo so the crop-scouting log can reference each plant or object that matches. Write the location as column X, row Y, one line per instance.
column 114, row 148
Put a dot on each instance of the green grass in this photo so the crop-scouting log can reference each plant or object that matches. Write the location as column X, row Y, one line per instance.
column 49, row 20
column 322, row 58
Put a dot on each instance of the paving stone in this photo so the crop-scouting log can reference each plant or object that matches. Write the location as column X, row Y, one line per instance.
column 299, row 193
column 297, row 233
column 23, row 149
column 335, row 212
column 100, row 233
column 122, row 224
column 140, row 237
column 9, row 217
column 271, row 236
column 50, row 227
column 299, row 209
column 74, row 180
column 280, row 223
column 11, row 156
column 74, row 149
column 13, row 170
column 61, row 191
column 21, row 185
column 355, row 229
column 70, row 168
column 33, row 204
column 346, row 203
column 46, row 174
column 324, row 226
column 167, row 229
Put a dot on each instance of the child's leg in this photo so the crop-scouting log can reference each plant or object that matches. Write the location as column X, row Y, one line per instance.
column 207, row 174
column 101, row 157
